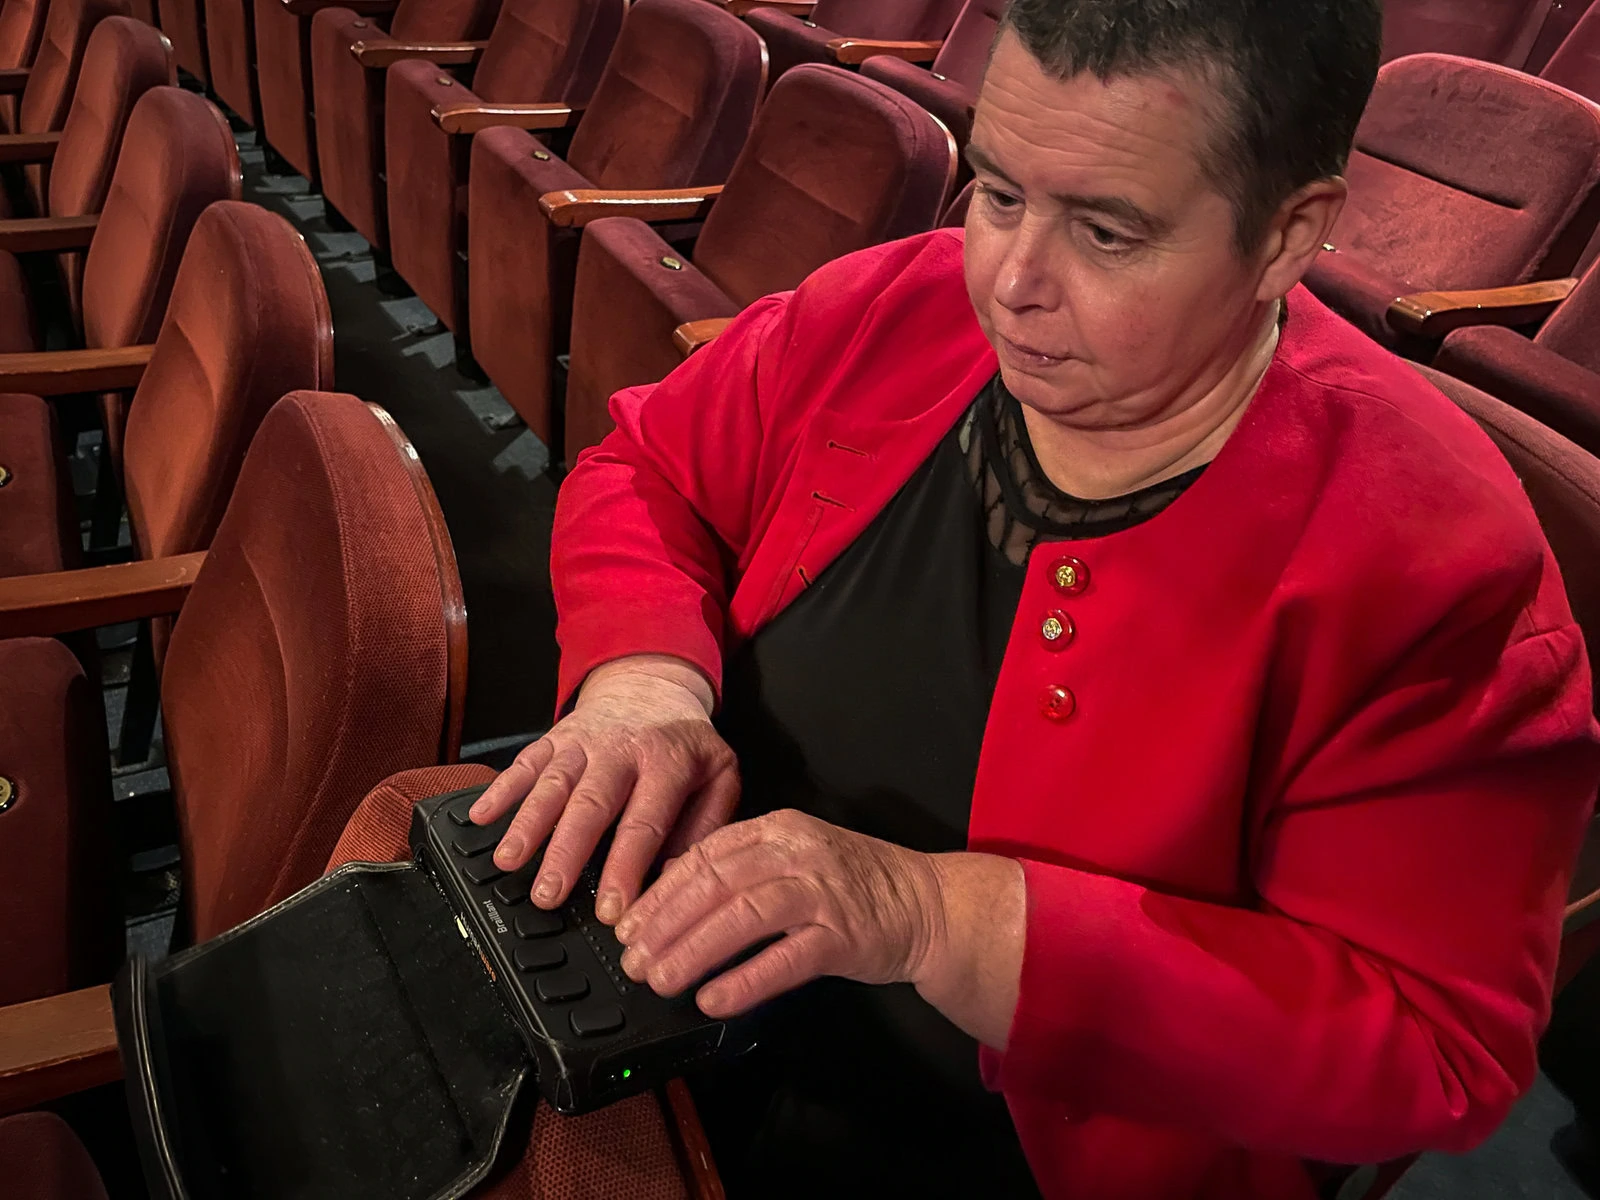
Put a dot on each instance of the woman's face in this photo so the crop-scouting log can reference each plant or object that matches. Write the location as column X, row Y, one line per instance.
column 1099, row 257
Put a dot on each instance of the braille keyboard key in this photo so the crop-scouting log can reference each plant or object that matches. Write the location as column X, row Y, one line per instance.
column 540, row 956
column 460, row 812
column 480, row 871
column 513, row 889
column 473, row 841
column 538, row 924
column 595, row 1019
column 567, row 984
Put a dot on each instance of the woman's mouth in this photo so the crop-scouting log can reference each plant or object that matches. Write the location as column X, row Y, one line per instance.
column 1029, row 356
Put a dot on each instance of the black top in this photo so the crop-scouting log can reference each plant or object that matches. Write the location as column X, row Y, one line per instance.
column 864, row 703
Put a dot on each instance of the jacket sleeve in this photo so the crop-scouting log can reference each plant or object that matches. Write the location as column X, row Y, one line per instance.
column 672, row 489
column 1386, row 992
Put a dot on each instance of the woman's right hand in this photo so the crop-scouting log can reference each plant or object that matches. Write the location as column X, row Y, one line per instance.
column 638, row 749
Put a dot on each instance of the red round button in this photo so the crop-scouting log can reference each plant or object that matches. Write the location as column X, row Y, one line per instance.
column 1056, row 631
column 1069, row 575
column 1058, row 703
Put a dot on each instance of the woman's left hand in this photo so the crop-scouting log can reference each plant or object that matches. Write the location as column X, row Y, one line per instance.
column 847, row 904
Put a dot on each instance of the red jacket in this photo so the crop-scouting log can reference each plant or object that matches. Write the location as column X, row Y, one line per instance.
column 1296, row 860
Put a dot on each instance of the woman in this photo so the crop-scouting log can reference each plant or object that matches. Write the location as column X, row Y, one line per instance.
column 1144, row 687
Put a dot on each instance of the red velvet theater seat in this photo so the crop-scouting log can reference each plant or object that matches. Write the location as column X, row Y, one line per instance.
column 1554, row 377
column 53, row 77
column 835, row 163
column 42, row 1159
column 1464, row 175
column 792, row 40
column 348, row 96
column 544, row 53
column 672, row 110
column 184, row 21
column 21, row 23
column 59, row 928
column 949, row 88
column 1576, row 63
column 230, row 30
column 1501, row 31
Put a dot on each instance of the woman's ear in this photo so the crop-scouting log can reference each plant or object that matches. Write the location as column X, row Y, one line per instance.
column 1298, row 233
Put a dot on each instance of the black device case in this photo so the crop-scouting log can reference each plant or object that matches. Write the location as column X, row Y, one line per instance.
column 371, row 1038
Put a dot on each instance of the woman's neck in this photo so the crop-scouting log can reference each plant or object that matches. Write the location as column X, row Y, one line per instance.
column 1099, row 464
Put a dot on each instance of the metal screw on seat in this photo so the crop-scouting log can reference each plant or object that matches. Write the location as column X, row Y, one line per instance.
column 671, row 264
column 5, row 475
column 445, row 81
column 8, row 793
column 541, row 155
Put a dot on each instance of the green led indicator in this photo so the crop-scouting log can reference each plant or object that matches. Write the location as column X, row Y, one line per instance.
column 627, row 1071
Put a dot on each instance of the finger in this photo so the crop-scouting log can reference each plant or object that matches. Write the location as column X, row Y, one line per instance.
column 749, row 916
column 657, row 798
column 695, row 885
column 543, row 805
column 783, row 966
column 513, row 784
column 593, row 804
column 708, row 810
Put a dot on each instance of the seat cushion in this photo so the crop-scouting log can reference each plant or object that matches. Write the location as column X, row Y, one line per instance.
column 58, row 925
column 952, row 102
column 790, row 41
column 1529, row 377
column 38, row 527
column 42, row 1159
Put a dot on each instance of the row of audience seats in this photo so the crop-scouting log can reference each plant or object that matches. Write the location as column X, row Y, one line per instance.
column 584, row 192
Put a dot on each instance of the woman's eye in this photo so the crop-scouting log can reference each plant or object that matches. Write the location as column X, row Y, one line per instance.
column 1002, row 200
column 1105, row 237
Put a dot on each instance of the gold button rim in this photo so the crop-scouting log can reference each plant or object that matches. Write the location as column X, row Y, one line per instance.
column 8, row 793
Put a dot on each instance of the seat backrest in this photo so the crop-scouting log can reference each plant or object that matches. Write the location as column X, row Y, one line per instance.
column 836, row 162
column 443, row 20
column 1501, row 31
column 21, row 23
column 965, row 53
column 1561, row 18
column 248, row 321
column 1563, row 485
column 548, row 51
column 894, row 20
column 178, row 156
column 1576, row 64
column 1466, row 175
column 54, row 76
column 1573, row 330
column 315, row 656
column 676, row 101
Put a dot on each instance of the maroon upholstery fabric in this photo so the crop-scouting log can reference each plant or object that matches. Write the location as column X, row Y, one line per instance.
column 42, row 1159
column 54, row 75
column 59, row 928
column 673, row 109
column 1501, row 31
column 231, row 53
column 125, row 58
column 38, row 525
column 1464, row 175
column 309, row 662
column 835, row 163
column 948, row 90
column 621, row 1151
column 1558, row 23
column 549, row 51
column 791, row 40
column 248, row 322
column 1554, row 390
column 1576, row 64
column 283, row 84
column 955, row 216
column 178, row 156
column 184, row 22
column 21, row 23
column 18, row 329
column 348, row 99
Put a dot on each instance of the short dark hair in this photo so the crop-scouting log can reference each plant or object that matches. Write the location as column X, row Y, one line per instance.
column 1295, row 73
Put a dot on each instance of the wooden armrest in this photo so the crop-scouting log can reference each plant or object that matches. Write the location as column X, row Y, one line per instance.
column 13, row 80
column 579, row 206
column 30, row 235
column 851, row 51
column 795, row 8
column 66, row 601
column 471, row 117
column 691, row 335
column 28, row 147
column 378, row 55
column 1434, row 314
column 367, row 8
column 68, row 372
column 54, row 1047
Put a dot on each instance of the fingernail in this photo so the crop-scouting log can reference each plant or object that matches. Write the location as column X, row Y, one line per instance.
column 608, row 907
column 626, row 928
column 480, row 810
column 546, row 889
column 507, row 853
column 633, row 964
column 711, row 999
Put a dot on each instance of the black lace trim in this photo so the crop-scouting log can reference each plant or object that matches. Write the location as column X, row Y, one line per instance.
column 1021, row 506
